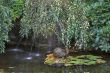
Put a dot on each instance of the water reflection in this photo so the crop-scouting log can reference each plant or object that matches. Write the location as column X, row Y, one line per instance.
column 37, row 54
column 10, row 67
column 15, row 50
column 40, row 68
column 28, row 58
column 32, row 62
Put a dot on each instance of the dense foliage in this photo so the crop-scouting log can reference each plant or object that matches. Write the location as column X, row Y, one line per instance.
column 66, row 20
column 16, row 7
column 87, row 22
column 5, row 25
column 37, row 19
column 9, row 11
column 98, row 14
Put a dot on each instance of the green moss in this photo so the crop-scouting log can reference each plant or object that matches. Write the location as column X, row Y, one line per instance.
column 80, row 60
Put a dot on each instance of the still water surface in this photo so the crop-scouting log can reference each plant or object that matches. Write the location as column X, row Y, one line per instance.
column 32, row 62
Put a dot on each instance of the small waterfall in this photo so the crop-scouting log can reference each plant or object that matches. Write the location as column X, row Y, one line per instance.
column 50, row 44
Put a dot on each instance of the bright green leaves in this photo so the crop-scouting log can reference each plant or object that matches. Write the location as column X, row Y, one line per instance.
column 17, row 8
column 76, row 60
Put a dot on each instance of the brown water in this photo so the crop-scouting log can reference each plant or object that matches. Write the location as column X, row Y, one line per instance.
column 20, row 62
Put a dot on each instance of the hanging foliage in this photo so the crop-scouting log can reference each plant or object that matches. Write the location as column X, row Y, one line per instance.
column 10, row 10
column 5, row 26
column 16, row 6
column 37, row 18
column 81, row 25
column 66, row 20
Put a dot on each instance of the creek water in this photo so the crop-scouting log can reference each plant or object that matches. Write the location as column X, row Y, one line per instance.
column 32, row 62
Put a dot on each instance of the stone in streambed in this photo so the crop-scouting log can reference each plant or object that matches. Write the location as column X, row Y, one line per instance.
column 59, row 52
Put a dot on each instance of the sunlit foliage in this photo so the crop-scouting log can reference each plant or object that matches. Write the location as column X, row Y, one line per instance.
column 66, row 20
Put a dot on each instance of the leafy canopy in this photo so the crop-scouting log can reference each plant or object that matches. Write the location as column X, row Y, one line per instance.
column 87, row 22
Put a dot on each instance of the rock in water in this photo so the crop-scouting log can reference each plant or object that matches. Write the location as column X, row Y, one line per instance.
column 59, row 52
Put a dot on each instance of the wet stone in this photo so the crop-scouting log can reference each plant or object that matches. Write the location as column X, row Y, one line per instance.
column 59, row 52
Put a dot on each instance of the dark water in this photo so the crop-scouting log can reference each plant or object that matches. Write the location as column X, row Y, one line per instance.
column 29, row 62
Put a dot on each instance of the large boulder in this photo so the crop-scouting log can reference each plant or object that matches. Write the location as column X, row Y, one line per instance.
column 59, row 52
